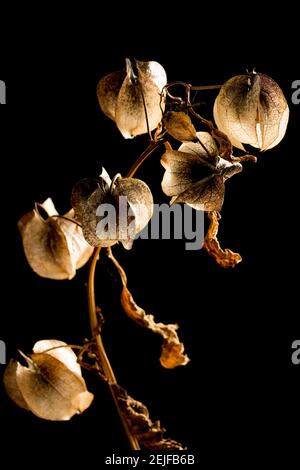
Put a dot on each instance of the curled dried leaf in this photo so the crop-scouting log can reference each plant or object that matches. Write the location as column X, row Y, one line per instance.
column 252, row 109
column 172, row 354
column 132, row 97
column 225, row 258
column 115, row 211
column 149, row 434
column 51, row 387
column 195, row 174
column 179, row 126
column 54, row 247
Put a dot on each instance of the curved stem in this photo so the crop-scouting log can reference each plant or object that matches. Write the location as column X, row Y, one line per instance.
column 151, row 147
column 206, row 87
column 101, row 353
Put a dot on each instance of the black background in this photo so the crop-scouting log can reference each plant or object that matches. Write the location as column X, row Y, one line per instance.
column 239, row 395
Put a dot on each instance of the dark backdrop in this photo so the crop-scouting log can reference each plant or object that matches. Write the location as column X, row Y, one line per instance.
column 238, row 396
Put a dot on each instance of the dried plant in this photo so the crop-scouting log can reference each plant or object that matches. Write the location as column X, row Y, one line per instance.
column 249, row 109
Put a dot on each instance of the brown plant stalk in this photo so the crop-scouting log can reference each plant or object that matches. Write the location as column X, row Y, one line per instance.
column 100, row 350
column 94, row 321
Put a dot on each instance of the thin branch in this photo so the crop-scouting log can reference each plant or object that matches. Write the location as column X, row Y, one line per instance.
column 100, row 350
column 150, row 149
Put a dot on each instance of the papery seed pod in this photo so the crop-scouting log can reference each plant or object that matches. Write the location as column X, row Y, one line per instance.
column 116, row 211
column 54, row 247
column 127, row 95
column 179, row 126
column 51, row 387
column 195, row 174
column 252, row 109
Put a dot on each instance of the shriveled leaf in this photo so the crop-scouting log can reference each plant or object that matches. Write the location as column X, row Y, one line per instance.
column 172, row 350
column 225, row 258
column 11, row 385
column 149, row 434
column 54, row 247
column 252, row 109
column 132, row 97
column 195, row 174
column 179, row 126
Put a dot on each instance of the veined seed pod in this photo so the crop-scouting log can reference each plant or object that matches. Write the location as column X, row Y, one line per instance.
column 132, row 97
column 252, row 109
column 112, row 211
column 195, row 174
column 54, row 247
column 51, row 386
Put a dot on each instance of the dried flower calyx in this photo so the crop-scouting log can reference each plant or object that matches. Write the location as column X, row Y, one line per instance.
column 252, row 109
column 51, row 387
column 132, row 96
column 54, row 247
column 195, row 174
column 112, row 211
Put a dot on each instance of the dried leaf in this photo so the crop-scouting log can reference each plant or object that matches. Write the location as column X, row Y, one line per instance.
column 225, row 258
column 179, row 126
column 195, row 174
column 172, row 350
column 252, row 109
column 133, row 97
column 51, row 387
column 54, row 247
column 149, row 434
column 115, row 211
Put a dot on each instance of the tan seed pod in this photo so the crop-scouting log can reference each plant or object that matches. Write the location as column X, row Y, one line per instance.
column 195, row 174
column 55, row 248
column 51, row 387
column 251, row 109
column 116, row 211
column 132, row 96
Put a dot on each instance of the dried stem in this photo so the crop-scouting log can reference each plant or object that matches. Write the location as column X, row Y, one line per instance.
column 206, row 87
column 100, row 350
column 151, row 147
